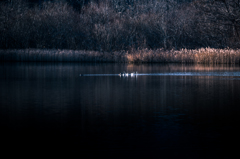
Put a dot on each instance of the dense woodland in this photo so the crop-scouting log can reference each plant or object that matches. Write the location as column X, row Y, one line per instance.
column 113, row 25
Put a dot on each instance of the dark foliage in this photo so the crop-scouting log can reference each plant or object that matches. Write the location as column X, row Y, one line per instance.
column 113, row 25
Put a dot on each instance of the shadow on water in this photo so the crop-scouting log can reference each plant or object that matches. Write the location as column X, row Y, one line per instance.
column 48, row 108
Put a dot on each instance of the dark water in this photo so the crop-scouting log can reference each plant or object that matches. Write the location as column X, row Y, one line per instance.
column 167, row 111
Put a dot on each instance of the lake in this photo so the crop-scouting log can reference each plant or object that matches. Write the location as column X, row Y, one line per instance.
column 164, row 111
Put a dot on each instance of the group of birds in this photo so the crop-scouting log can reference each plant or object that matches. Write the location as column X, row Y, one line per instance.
column 125, row 74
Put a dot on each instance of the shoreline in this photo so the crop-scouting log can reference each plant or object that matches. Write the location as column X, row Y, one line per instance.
column 202, row 55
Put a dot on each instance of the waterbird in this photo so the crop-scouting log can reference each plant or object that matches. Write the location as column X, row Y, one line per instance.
column 126, row 74
column 122, row 74
column 134, row 73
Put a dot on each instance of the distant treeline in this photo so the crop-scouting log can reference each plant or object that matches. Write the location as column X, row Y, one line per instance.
column 113, row 25
column 79, row 4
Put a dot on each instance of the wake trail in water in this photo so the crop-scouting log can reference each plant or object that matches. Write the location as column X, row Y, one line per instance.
column 224, row 74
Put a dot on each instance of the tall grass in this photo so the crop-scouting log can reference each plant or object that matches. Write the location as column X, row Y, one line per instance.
column 203, row 55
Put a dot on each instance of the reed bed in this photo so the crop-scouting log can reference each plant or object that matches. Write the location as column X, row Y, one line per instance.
column 203, row 55
column 52, row 55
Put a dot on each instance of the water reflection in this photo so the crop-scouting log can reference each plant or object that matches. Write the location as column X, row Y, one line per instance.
column 164, row 116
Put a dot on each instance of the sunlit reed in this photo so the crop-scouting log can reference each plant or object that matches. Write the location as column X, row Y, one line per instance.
column 203, row 55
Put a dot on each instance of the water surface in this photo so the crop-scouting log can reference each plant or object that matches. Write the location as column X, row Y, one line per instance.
column 166, row 111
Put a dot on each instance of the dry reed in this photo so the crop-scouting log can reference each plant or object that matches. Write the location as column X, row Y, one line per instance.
column 203, row 55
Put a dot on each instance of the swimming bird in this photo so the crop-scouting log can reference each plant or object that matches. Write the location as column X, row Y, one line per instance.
column 128, row 74
column 122, row 74
column 134, row 73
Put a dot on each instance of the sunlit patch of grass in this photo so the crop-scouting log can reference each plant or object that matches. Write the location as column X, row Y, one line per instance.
column 203, row 55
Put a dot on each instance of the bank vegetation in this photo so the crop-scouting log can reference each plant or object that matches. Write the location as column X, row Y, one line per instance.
column 124, row 30
column 207, row 56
